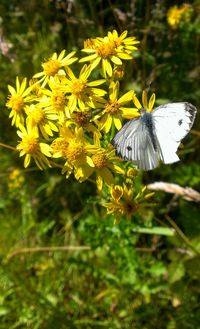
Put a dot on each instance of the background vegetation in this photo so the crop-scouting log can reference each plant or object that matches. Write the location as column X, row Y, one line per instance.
column 131, row 277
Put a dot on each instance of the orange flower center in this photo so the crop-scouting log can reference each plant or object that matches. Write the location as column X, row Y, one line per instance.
column 58, row 101
column 112, row 107
column 51, row 67
column 90, row 43
column 17, row 103
column 75, row 151
column 81, row 118
column 60, row 144
column 37, row 115
column 78, row 88
column 29, row 144
column 106, row 50
column 100, row 160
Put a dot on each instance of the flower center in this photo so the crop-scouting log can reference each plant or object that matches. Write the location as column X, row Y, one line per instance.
column 60, row 144
column 78, row 88
column 100, row 160
column 29, row 144
column 37, row 115
column 17, row 103
column 106, row 50
column 51, row 67
column 130, row 208
column 112, row 107
column 81, row 118
column 58, row 101
column 90, row 43
column 75, row 151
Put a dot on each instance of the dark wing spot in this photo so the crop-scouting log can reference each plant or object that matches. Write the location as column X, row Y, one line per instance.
column 180, row 122
column 129, row 148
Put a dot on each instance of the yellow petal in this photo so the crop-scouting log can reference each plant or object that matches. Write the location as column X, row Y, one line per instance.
column 117, row 123
column 144, row 99
column 116, row 60
column 151, row 102
column 137, row 102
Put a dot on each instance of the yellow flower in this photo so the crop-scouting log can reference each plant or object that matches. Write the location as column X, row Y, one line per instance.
column 147, row 105
column 84, row 120
column 104, row 165
column 109, row 50
column 41, row 119
column 175, row 15
column 32, row 148
column 82, row 92
column 124, row 202
column 114, row 109
column 15, row 179
column 73, row 147
column 54, row 65
column 54, row 100
column 123, row 42
column 17, row 101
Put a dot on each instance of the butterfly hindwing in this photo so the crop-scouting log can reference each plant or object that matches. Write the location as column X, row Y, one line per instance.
column 133, row 143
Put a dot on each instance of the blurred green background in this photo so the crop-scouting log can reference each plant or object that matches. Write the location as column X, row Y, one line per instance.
column 126, row 279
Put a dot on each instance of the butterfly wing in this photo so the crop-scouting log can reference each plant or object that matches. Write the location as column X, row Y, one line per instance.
column 172, row 122
column 133, row 143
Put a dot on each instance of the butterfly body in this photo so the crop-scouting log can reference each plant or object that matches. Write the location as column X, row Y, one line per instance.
column 148, row 123
column 155, row 136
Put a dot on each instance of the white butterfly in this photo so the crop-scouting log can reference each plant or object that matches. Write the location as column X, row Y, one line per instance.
column 155, row 135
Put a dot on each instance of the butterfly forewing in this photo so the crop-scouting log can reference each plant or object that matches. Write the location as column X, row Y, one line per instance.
column 172, row 122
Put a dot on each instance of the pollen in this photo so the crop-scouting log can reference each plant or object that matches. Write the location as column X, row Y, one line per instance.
column 75, row 151
column 81, row 118
column 106, row 50
column 51, row 67
column 78, row 87
column 60, row 144
column 100, row 160
column 16, row 102
column 29, row 145
column 58, row 101
column 112, row 107
column 90, row 43
column 37, row 115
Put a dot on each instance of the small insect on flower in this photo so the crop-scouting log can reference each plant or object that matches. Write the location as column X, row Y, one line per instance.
column 156, row 134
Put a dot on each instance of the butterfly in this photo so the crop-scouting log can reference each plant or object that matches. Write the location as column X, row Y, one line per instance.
column 156, row 135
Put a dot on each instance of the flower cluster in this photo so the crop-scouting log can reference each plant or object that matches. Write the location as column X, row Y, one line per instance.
column 69, row 113
column 176, row 15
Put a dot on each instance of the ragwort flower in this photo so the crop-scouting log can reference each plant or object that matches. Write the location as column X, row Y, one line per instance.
column 41, row 119
column 109, row 50
column 177, row 14
column 82, row 92
column 104, row 165
column 114, row 109
column 55, row 65
column 124, row 202
column 32, row 148
column 17, row 101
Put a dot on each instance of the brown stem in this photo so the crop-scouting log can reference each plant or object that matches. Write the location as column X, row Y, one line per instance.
column 8, row 147
column 46, row 249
